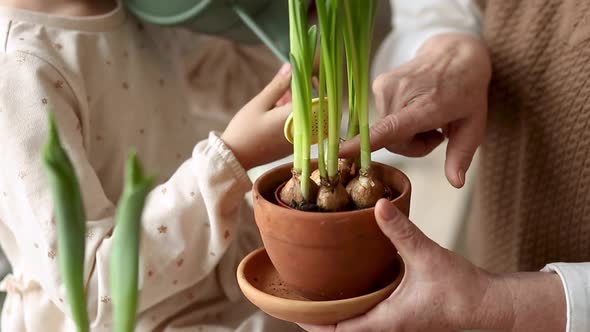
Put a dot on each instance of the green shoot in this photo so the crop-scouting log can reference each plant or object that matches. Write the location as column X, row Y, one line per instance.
column 71, row 231
column 359, row 17
column 303, row 43
column 320, row 121
column 71, row 223
column 331, row 60
column 124, row 260
column 353, row 121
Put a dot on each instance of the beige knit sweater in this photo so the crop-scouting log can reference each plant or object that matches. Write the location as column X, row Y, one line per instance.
column 530, row 205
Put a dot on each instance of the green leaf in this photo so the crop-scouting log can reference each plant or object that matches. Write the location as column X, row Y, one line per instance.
column 359, row 19
column 330, row 25
column 124, row 261
column 71, row 223
column 312, row 38
column 302, row 42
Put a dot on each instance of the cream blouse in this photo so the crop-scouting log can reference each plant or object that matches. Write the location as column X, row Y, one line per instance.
column 115, row 84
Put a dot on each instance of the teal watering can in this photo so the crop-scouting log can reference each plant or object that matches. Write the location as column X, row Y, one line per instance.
column 244, row 21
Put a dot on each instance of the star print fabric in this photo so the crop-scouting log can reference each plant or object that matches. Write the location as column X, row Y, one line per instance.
column 112, row 88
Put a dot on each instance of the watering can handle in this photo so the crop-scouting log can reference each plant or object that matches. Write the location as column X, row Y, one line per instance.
column 250, row 23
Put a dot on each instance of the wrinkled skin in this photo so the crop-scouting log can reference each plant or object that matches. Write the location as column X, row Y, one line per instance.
column 443, row 292
column 440, row 93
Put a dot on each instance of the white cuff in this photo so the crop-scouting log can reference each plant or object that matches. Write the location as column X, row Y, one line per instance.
column 212, row 155
column 416, row 21
column 399, row 48
column 576, row 282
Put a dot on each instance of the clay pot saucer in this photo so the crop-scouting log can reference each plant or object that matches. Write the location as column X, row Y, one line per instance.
column 262, row 285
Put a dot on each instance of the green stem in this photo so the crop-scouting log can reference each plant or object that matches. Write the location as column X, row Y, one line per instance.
column 363, row 119
column 302, row 106
column 71, row 223
column 307, row 64
column 331, row 56
column 306, row 169
column 297, row 135
column 293, row 36
column 364, row 83
column 124, row 261
column 353, row 123
column 302, row 42
column 333, row 128
column 321, row 132
column 338, row 68
column 353, row 120
column 358, row 35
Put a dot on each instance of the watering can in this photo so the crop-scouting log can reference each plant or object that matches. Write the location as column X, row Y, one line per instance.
column 244, row 21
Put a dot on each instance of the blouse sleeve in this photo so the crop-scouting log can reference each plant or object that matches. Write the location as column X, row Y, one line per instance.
column 575, row 278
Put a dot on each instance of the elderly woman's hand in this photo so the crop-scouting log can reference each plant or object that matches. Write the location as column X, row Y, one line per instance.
column 443, row 292
column 439, row 291
column 443, row 87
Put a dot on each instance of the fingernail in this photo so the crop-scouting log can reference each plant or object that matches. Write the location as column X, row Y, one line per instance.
column 388, row 212
column 461, row 175
column 285, row 69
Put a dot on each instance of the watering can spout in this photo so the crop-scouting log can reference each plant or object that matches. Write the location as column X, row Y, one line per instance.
column 279, row 45
column 243, row 21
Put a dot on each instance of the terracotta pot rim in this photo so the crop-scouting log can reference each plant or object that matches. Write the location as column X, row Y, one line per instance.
column 407, row 186
column 389, row 288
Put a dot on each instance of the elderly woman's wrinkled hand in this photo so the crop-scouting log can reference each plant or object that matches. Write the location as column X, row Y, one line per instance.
column 441, row 92
column 440, row 291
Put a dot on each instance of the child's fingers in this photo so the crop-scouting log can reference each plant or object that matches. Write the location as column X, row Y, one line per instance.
column 278, row 115
column 285, row 99
column 274, row 123
column 316, row 83
column 271, row 94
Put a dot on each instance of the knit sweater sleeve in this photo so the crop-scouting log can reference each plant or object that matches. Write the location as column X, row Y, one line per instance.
column 576, row 283
column 189, row 223
column 413, row 22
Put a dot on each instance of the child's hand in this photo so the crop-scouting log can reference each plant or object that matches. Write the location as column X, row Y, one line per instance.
column 255, row 134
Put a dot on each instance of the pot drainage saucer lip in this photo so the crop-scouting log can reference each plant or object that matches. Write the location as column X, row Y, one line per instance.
column 261, row 284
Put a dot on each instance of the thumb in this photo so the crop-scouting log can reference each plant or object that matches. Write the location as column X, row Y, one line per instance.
column 272, row 93
column 404, row 235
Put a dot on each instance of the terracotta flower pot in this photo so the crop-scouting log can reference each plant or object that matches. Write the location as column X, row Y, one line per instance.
column 327, row 256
